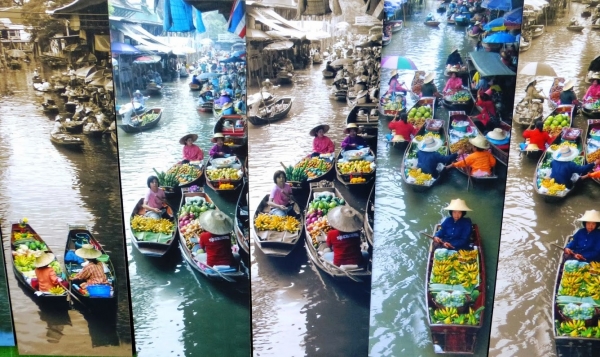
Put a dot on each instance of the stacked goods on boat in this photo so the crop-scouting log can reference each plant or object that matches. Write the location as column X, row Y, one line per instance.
column 147, row 118
column 189, row 225
column 25, row 256
column 412, row 172
column 554, row 124
column 356, row 162
column 593, row 147
column 577, row 298
column 316, row 218
column 546, row 184
column 592, row 105
column 460, row 133
column 296, row 174
column 454, row 286
column 462, row 95
column 185, row 173
column 417, row 116
column 531, row 110
column 226, row 173
column 271, row 222
column 313, row 167
column 168, row 179
column 152, row 230
column 273, row 109
column 392, row 103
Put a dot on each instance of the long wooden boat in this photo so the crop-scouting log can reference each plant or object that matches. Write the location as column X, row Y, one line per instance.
column 537, row 30
column 223, row 185
column 130, row 129
column 575, row 28
column 156, row 248
column 318, row 244
column 456, row 338
column 95, row 133
column 561, row 109
column 272, row 112
column 431, row 127
column 221, row 274
column 572, row 135
column 370, row 218
column 527, row 113
column 588, row 110
column 24, row 235
column 385, row 41
column 465, row 105
column 416, row 84
column 285, row 77
column 328, row 74
column 77, row 236
column 396, row 25
column 50, row 107
column 66, row 140
column 432, row 23
column 555, row 90
column 592, row 142
column 242, row 222
column 454, row 137
column 524, row 46
column 346, row 178
column 207, row 104
column 235, row 129
column 369, row 123
column 272, row 243
column 153, row 89
column 73, row 127
column 194, row 86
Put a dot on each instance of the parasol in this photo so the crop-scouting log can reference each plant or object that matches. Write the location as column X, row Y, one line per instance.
column 398, row 62
column 278, row 46
column 538, row 69
column 500, row 37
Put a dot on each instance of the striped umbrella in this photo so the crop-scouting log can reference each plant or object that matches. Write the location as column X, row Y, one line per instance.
column 398, row 62
column 495, row 25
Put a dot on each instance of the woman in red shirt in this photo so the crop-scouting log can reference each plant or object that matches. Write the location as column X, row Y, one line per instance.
column 216, row 239
column 488, row 109
column 402, row 127
column 344, row 239
column 537, row 136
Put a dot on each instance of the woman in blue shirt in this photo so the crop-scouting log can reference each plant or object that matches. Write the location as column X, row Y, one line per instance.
column 563, row 166
column 586, row 242
column 456, row 229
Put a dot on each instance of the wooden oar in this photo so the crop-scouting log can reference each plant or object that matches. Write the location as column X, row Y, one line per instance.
column 218, row 272
column 467, row 169
column 73, row 296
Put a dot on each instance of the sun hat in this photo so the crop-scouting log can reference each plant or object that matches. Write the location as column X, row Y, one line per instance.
column 532, row 147
column 568, row 85
column 480, row 141
column 428, row 78
column 350, row 126
column 43, row 260
column 452, row 69
column 533, row 82
column 345, row 219
column 590, row 216
column 457, row 205
column 216, row 136
column 430, row 144
column 315, row 130
column 216, row 222
column 565, row 153
column 87, row 251
column 393, row 72
column 183, row 140
column 596, row 75
column 497, row 134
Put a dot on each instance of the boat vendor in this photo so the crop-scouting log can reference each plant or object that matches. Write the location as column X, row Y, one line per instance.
column 484, row 120
column 191, row 152
column 563, row 167
column 219, row 149
column 396, row 86
column 586, row 242
column 267, row 86
column 223, row 99
column 454, row 83
column 593, row 92
column 476, row 29
column 454, row 59
column 240, row 106
column 58, row 126
column 537, row 136
column 429, row 17
column 402, row 127
column 329, row 67
column 139, row 97
column 500, row 138
column 428, row 89
column 428, row 157
column 154, row 200
column 281, row 198
column 45, row 275
column 195, row 80
column 344, row 239
column 93, row 272
column 216, row 239
column 321, row 144
column 567, row 96
column 481, row 161
column 455, row 232
column 352, row 141
column 533, row 93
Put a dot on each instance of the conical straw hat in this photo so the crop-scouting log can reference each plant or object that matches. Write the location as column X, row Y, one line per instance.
column 216, row 222
column 216, row 136
column 87, row 251
column 480, row 141
column 183, row 140
column 430, row 144
column 590, row 216
column 457, row 205
column 497, row 134
column 315, row 130
column 345, row 219
column 44, row 260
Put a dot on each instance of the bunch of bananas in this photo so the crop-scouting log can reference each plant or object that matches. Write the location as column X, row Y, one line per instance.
column 461, row 144
column 57, row 290
column 229, row 143
column 572, row 328
column 421, row 137
column 358, row 180
column 570, row 285
column 592, row 287
column 269, row 222
column 226, row 186
column 442, row 271
column 358, row 166
column 445, row 315
column 223, row 174
column 420, row 177
column 467, row 256
column 24, row 263
column 553, row 187
column 594, row 267
column 468, row 274
column 146, row 224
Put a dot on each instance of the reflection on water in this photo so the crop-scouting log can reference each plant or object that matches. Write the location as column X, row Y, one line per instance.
column 399, row 325
column 527, row 270
column 53, row 187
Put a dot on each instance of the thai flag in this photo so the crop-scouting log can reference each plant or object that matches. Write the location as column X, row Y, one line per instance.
column 237, row 20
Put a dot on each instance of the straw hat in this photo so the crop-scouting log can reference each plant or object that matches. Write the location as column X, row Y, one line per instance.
column 596, row 75
column 315, row 130
column 452, row 69
column 532, row 147
column 345, row 219
column 398, row 138
column 428, row 78
column 362, row 93
column 430, row 144
column 43, row 260
column 480, row 141
column 87, row 251
column 216, row 222
column 533, row 82
column 216, row 136
column 457, row 205
column 497, row 134
column 350, row 126
column 565, row 153
column 590, row 216
column 568, row 85
column 393, row 73
column 455, row 49
column 183, row 140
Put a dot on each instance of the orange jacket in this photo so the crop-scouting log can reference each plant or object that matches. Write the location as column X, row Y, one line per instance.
column 46, row 278
column 479, row 160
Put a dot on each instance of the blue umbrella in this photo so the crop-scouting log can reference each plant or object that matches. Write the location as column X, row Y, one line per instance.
column 239, row 53
column 503, row 5
column 123, row 48
column 232, row 60
column 515, row 16
column 209, row 75
column 495, row 25
column 500, row 37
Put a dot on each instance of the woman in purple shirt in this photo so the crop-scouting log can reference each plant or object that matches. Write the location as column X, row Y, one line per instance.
column 280, row 199
column 153, row 202
column 220, row 149
column 352, row 141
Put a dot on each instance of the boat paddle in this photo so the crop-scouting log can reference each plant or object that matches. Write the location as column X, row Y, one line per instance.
column 467, row 169
column 432, row 238
column 563, row 248
column 203, row 265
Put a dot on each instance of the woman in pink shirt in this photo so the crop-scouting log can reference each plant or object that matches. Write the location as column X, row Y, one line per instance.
column 321, row 143
column 153, row 203
column 455, row 83
column 191, row 152
column 593, row 91
column 281, row 198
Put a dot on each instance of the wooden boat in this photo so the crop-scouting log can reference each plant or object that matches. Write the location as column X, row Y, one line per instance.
column 73, row 127
column 285, row 77
column 365, row 121
column 235, row 129
column 523, row 45
column 462, row 19
column 572, row 135
column 396, row 25
column 317, row 245
column 595, row 26
column 77, row 236
column 272, row 112
column 94, row 132
column 537, row 30
column 575, row 28
column 25, row 234
column 454, row 137
column 222, row 185
column 456, row 338
column 465, row 105
column 592, row 143
column 527, row 113
column 328, row 74
column 563, row 109
column 346, row 178
column 432, row 23
column 370, row 218
column 317, row 59
column 272, row 243
column 156, row 247
column 66, row 140
column 221, row 274
column 128, row 128
column 153, row 88
column 555, row 90
column 50, row 107
column 432, row 126
column 589, row 112
column 399, row 104
column 385, row 41
column 242, row 223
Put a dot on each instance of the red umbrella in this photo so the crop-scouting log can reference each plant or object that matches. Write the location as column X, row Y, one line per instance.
column 147, row 59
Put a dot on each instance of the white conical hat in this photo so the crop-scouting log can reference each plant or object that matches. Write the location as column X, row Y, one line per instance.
column 457, row 205
column 345, row 219
column 87, row 251
column 216, row 222
column 590, row 216
column 43, row 260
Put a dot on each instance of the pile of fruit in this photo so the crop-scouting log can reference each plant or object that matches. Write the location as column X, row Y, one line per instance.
column 188, row 219
column 451, row 299
column 419, row 138
column 358, row 180
column 584, row 311
column 146, row 224
column 418, row 116
column 462, row 144
column 147, row 118
column 270, row 222
column 313, row 167
column 168, row 179
column 450, row 316
column 316, row 228
column 321, row 205
column 185, row 173
column 575, row 328
column 460, row 96
column 554, row 124
column 592, row 105
column 453, row 268
column 25, row 256
column 352, row 167
column 420, row 178
column 57, row 290
column 296, row 174
column 398, row 104
column 223, row 174
column 552, row 187
column 226, row 186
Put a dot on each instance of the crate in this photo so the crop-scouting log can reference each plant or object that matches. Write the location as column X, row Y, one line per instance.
column 98, row 290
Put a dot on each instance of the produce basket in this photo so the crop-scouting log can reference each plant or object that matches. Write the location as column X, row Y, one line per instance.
column 461, row 310
column 99, row 290
column 595, row 134
column 460, row 126
column 571, row 134
column 588, row 323
column 433, row 125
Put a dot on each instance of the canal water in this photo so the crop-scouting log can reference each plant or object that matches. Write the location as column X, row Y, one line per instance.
column 176, row 311
column 528, row 262
column 296, row 310
column 53, row 187
column 399, row 323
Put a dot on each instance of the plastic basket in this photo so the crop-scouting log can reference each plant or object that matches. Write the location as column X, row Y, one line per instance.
column 104, row 258
column 99, row 290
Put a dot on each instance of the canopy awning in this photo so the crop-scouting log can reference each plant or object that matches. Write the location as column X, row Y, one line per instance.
column 85, row 71
column 137, row 33
column 276, row 22
column 490, row 64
